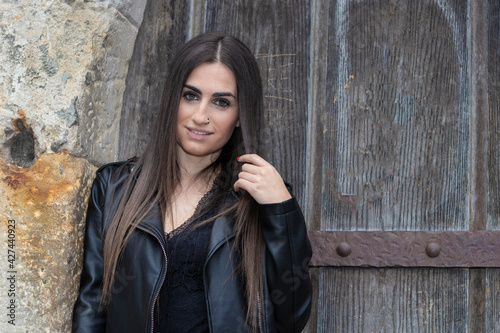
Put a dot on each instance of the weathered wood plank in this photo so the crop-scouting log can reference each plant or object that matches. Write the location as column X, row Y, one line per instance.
column 477, row 304
column 164, row 29
column 479, row 165
column 396, row 131
column 492, row 300
column 316, row 112
column 278, row 33
column 479, row 114
column 493, row 75
column 492, row 289
column 395, row 300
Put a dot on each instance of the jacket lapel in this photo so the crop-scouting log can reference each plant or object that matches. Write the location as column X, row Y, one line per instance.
column 152, row 223
column 222, row 231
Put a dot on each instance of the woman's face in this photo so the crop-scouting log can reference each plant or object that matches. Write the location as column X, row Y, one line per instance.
column 208, row 111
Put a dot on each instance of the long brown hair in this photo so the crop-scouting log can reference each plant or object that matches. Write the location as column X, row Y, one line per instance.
column 156, row 173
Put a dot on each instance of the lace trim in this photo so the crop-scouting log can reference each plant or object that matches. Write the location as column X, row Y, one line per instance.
column 201, row 204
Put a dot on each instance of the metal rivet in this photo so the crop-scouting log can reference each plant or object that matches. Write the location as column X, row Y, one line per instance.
column 433, row 249
column 343, row 249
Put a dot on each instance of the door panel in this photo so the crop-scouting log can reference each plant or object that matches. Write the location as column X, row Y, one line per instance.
column 384, row 115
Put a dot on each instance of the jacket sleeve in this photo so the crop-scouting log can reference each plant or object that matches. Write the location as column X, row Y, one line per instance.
column 288, row 252
column 86, row 317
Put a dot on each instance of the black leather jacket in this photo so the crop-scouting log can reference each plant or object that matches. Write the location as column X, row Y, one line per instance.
column 141, row 271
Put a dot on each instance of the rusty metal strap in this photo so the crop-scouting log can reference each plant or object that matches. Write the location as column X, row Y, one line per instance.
column 406, row 248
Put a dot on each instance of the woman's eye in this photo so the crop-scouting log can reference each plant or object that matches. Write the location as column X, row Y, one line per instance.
column 221, row 103
column 189, row 96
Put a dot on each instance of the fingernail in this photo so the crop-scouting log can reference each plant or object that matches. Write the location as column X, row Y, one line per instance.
column 238, row 158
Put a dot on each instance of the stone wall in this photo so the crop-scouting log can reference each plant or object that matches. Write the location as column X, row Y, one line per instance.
column 63, row 66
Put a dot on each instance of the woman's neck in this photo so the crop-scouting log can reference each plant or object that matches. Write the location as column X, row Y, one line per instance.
column 191, row 166
column 191, row 171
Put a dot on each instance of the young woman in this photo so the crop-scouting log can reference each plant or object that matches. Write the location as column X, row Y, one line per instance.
column 199, row 234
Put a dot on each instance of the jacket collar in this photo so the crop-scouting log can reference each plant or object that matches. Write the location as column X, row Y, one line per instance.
column 153, row 223
column 222, row 231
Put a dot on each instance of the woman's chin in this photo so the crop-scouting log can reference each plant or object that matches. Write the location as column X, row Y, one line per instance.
column 198, row 152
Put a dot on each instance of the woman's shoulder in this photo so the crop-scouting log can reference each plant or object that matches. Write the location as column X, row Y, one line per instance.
column 116, row 171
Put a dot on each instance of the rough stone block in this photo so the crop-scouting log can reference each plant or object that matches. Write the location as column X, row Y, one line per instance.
column 131, row 9
column 41, row 250
column 63, row 65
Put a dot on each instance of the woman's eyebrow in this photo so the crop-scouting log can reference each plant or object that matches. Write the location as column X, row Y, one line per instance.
column 223, row 94
column 217, row 94
column 196, row 90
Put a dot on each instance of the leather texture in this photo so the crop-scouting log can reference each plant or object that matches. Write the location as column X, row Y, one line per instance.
column 142, row 268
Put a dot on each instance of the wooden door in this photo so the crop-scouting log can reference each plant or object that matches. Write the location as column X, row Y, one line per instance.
column 385, row 117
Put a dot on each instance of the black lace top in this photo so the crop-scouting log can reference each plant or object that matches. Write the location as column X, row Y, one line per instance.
column 181, row 303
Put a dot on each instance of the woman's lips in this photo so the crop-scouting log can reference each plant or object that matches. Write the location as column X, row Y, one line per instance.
column 197, row 134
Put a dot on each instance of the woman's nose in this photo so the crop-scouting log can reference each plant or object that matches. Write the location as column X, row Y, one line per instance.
column 200, row 116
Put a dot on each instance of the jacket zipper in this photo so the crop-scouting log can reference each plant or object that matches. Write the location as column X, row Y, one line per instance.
column 209, row 256
column 161, row 284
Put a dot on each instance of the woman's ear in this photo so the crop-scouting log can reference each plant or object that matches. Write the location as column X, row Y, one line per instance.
column 238, row 123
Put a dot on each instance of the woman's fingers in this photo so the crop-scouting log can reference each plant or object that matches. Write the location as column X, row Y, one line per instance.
column 261, row 180
column 253, row 159
column 241, row 184
column 252, row 178
column 250, row 168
